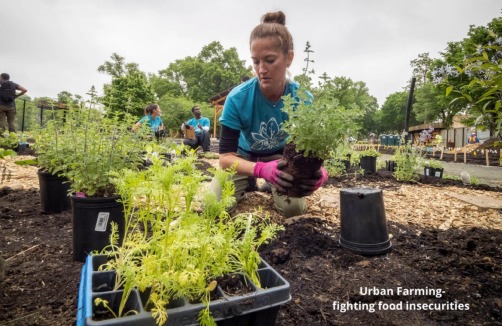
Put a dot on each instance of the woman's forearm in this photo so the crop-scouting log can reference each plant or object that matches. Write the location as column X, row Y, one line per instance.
column 242, row 166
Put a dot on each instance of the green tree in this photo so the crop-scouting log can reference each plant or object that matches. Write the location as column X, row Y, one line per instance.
column 432, row 104
column 355, row 96
column 475, row 81
column 27, row 114
column 129, row 90
column 199, row 78
column 392, row 114
column 421, row 68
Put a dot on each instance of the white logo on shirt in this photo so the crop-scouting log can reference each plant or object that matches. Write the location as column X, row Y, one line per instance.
column 269, row 137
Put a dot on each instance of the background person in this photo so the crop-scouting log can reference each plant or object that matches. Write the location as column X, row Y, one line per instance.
column 200, row 125
column 371, row 138
column 473, row 139
column 8, row 95
column 153, row 119
column 251, row 136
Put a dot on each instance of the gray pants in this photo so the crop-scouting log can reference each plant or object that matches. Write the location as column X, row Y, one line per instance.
column 9, row 113
column 203, row 140
column 287, row 206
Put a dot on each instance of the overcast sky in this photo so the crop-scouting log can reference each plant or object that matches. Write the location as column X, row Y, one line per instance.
column 49, row 46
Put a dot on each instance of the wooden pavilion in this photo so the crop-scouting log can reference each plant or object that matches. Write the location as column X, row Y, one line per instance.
column 217, row 102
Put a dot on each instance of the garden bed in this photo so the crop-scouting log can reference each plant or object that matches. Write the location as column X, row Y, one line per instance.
column 439, row 242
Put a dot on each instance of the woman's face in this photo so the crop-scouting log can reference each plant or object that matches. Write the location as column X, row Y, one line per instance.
column 270, row 65
column 156, row 112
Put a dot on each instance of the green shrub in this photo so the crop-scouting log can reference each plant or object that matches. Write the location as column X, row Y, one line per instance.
column 408, row 161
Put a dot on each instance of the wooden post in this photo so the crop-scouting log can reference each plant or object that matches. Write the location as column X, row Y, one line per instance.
column 442, row 150
column 455, row 154
column 465, row 155
column 487, row 158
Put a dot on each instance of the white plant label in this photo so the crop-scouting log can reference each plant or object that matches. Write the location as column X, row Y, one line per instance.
column 102, row 221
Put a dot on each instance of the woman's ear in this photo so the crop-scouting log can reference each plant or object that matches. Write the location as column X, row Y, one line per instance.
column 290, row 58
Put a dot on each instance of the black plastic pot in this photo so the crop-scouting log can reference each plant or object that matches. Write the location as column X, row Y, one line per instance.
column 347, row 164
column 53, row 192
column 91, row 219
column 432, row 172
column 363, row 225
column 390, row 166
column 368, row 164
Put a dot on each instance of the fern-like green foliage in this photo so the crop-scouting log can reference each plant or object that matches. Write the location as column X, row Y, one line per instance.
column 317, row 126
column 179, row 239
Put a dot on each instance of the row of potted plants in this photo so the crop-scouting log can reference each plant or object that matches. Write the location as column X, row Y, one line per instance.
column 168, row 243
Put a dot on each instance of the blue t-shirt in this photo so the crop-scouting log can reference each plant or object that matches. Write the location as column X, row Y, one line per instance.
column 258, row 119
column 154, row 124
column 204, row 122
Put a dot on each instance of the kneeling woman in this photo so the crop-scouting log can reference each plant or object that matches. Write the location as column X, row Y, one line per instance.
column 251, row 134
column 153, row 120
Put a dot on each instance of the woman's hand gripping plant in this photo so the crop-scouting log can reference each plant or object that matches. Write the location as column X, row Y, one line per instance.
column 316, row 129
column 179, row 239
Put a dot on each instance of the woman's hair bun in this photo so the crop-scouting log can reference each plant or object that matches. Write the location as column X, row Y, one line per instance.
column 277, row 17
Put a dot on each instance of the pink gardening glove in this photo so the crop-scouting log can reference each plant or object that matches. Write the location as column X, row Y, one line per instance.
column 308, row 186
column 322, row 179
column 271, row 171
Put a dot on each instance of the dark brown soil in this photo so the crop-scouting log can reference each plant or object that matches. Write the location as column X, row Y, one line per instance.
column 41, row 279
column 301, row 167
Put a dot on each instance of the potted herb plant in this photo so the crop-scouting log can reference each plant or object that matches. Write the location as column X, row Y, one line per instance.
column 50, row 153
column 434, row 168
column 180, row 247
column 94, row 145
column 317, row 128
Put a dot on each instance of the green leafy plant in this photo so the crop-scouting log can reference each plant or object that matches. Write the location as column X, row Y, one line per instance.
column 317, row 127
column 180, row 239
column 472, row 180
column 408, row 161
column 5, row 173
column 49, row 146
column 9, row 140
column 369, row 152
column 432, row 163
column 335, row 167
column 87, row 146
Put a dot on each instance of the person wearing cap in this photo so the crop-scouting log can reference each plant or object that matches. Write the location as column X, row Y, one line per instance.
column 473, row 139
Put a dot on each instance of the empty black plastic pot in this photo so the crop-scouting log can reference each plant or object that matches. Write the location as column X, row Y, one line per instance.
column 363, row 226
column 53, row 192
column 368, row 164
column 390, row 166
